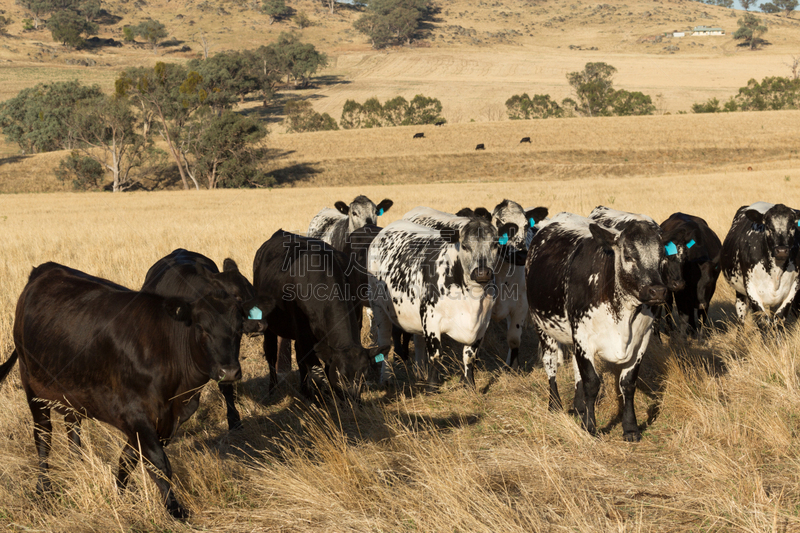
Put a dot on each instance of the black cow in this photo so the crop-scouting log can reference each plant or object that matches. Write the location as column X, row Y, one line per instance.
column 592, row 287
column 759, row 259
column 525, row 140
column 420, row 135
column 313, row 288
column 136, row 361
column 700, row 270
column 480, row 147
column 190, row 275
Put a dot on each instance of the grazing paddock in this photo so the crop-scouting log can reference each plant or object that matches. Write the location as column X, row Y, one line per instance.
column 719, row 449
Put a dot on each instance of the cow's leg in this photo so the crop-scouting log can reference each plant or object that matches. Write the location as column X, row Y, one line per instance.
column 127, row 462
column 42, row 434
column 587, row 386
column 420, row 354
column 271, row 355
column 469, row 354
column 73, row 422
column 433, row 345
column 400, row 347
column 741, row 307
column 514, row 336
column 228, row 391
column 549, row 352
column 284, row 357
column 146, row 440
column 627, row 386
column 306, row 359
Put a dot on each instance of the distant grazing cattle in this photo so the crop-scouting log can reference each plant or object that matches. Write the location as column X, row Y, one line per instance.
column 439, row 122
column 420, row 135
column 675, row 250
column 316, row 306
column 700, row 270
column 759, row 259
column 525, row 140
column 334, row 225
column 190, row 275
column 134, row 360
column 511, row 303
column 592, row 287
column 480, row 147
column 428, row 282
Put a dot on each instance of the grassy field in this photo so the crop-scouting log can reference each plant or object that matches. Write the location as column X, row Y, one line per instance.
column 719, row 449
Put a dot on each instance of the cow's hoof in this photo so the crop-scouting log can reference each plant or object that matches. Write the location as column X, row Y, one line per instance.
column 631, row 436
column 178, row 512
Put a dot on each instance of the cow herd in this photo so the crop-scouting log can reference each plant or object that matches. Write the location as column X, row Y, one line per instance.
column 137, row 360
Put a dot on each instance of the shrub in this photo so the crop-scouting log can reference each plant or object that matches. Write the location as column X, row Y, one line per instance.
column 84, row 172
column 301, row 117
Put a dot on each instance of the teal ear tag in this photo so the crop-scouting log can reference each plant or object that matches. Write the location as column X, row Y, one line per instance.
column 379, row 358
column 380, row 213
column 503, row 239
column 690, row 243
column 533, row 222
column 255, row 314
column 671, row 248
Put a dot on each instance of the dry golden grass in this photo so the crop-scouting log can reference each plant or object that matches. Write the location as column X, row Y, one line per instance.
column 719, row 451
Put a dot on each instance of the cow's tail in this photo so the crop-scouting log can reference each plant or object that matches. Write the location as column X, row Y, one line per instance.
column 6, row 367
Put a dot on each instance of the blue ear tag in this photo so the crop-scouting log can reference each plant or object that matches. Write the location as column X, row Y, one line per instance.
column 503, row 239
column 255, row 314
column 671, row 248
column 690, row 243
column 379, row 358
column 533, row 222
column 380, row 212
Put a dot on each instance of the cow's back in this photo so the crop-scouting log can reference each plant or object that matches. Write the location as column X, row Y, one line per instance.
column 330, row 226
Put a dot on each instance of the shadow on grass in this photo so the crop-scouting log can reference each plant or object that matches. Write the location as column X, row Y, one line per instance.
column 13, row 159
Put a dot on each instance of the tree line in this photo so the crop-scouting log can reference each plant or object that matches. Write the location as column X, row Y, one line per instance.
column 189, row 107
column 595, row 96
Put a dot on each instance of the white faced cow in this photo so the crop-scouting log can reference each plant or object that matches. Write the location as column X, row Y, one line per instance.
column 334, row 225
column 430, row 283
column 592, row 287
column 759, row 259
column 511, row 303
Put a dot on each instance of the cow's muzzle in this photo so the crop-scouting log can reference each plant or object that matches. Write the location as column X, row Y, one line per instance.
column 676, row 286
column 482, row 275
column 229, row 373
column 781, row 253
column 653, row 294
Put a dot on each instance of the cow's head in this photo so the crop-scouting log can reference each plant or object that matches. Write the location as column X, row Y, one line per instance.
column 479, row 247
column 511, row 212
column 347, row 367
column 253, row 309
column 709, row 272
column 677, row 244
column 216, row 322
column 363, row 211
column 638, row 252
column 356, row 247
column 779, row 225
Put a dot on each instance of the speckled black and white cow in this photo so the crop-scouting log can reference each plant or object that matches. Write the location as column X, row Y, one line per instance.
column 429, row 283
column 759, row 259
column 592, row 287
column 508, row 211
column 334, row 225
column 511, row 303
column 675, row 249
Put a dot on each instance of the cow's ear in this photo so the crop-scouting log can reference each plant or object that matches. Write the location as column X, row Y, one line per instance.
column 677, row 235
column 178, row 309
column 450, row 236
column 229, row 265
column 537, row 214
column 342, row 207
column 482, row 212
column 606, row 238
column 465, row 212
column 754, row 216
column 508, row 230
column 384, row 206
